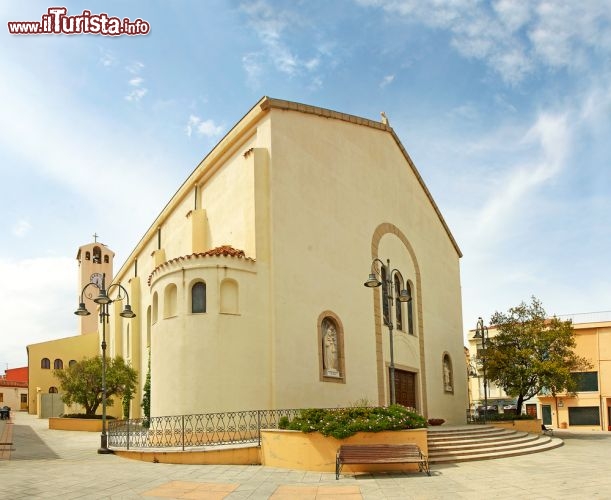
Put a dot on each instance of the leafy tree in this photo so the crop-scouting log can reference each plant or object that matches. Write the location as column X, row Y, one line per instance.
column 82, row 382
column 532, row 353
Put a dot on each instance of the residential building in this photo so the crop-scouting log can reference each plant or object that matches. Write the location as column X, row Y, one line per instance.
column 14, row 389
column 589, row 407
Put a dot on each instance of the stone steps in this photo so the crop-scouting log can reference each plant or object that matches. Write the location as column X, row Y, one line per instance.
column 467, row 443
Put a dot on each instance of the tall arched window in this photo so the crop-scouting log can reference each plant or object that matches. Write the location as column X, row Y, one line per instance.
column 97, row 255
column 58, row 364
column 45, row 363
column 398, row 305
column 385, row 312
column 410, row 309
column 155, row 307
column 198, row 298
column 87, row 256
column 72, row 362
column 148, row 326
column 229, row 296
column 170, row 299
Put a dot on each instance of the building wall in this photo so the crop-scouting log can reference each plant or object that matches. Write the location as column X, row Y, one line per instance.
column 65, row 349
column 333, row 184
column 11, row 395
column 593, row 341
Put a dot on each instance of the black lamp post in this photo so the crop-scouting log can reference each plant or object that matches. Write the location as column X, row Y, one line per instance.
column 103, row 300
column 388, row 299
column 481, row 332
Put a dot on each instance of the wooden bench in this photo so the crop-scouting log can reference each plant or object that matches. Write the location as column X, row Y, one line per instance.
column 380, row 454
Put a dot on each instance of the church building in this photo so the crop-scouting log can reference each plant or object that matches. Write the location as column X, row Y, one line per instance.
column 248, row 286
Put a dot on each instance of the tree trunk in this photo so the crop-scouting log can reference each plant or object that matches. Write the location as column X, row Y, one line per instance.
column 519, row 404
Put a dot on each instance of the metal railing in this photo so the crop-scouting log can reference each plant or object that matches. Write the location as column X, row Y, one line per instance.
column 197, row 430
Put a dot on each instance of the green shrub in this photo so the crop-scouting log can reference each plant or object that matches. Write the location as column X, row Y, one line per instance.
column 502, row 417
column 84, row 415
column 345, row 422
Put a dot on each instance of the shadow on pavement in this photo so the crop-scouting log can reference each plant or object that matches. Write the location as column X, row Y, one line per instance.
column 28, row 446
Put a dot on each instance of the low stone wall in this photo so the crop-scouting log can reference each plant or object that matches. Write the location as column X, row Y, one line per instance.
column 533, row 426
column 247, row 455
column 75, row 424
column 315, row 452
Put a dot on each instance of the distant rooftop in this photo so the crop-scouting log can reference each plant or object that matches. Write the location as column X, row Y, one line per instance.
column 589, row 317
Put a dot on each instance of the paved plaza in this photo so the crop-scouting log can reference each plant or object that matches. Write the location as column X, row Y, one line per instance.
column 61, row 464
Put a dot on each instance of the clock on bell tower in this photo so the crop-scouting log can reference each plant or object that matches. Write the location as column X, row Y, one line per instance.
column 95, row 262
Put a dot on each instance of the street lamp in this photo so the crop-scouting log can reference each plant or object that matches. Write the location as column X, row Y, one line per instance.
column 386, row 280
column 481, row 332
column 103, row 300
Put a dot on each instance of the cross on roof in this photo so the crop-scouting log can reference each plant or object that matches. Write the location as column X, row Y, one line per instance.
column 95, row 237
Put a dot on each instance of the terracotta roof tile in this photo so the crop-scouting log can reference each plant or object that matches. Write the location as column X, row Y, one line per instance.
column 222, row 251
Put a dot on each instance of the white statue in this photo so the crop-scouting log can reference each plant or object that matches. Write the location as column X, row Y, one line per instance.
column 447, row 374
column 329, row 345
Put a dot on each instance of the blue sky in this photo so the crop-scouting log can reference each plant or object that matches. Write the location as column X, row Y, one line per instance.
column 504, row 106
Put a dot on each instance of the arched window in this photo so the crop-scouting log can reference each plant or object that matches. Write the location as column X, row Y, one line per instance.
column 58, row 364
column 97, row 255
column 229, row 296
column 198, row 298
column 45, row 363
column 148, row 326
column 105, row 259
column 53, row 390
column 410, row 309
column 72, row 362
column 448, row 375
column 398, row 305
column 155, row 307
column 87, row 255
column 385, row 312
column 170, row 299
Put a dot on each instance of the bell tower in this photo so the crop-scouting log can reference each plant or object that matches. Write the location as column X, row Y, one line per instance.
column 94, row 260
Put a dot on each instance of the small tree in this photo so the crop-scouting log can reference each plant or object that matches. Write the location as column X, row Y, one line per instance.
column 146, row 397
column 81, row 383
column 532, row 353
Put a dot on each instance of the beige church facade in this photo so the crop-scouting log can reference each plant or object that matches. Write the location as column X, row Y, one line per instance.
column 248, row 286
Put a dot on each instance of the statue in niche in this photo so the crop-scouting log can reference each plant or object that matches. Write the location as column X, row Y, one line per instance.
column 329, row 350
column 447, row 374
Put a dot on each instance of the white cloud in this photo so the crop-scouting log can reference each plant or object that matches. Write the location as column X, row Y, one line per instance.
column 139, row 91
column 514, row 37
column 253, row 67
column 21, row 228
column 107, row 59
column 204, row 128
column 548, row 141
column 270, row 24
column 37, row 306
column 387, row 80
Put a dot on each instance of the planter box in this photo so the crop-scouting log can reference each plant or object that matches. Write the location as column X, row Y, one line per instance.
column 315, row 452
column 76, row 424
column 533, row 426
